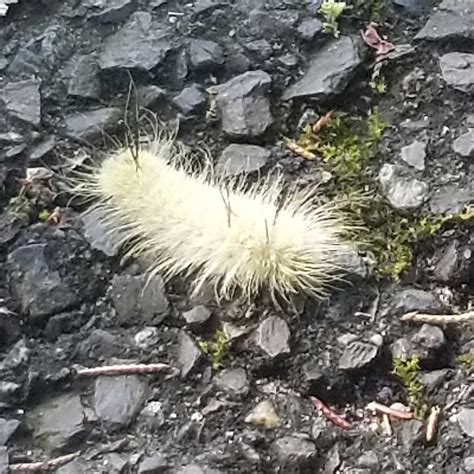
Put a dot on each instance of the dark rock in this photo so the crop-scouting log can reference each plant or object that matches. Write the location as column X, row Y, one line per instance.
column 8, row 391
column 312, row 372
column 412, row 432
column 148, row 95
column 4, row 461
column 330, row 70
column 110, row 11
column 466, row 420
column 458, row 70
column 87, row 125
column 294, row 454
column 62, row 323
column 23, row 100
column 447, row 266
column 368, row 459
column 464, row 145
column 198, row 317
column 309, row 28
column 7, row 430
column 415, row 154
column 10, row 225
column 99, row 344
column 453, row 19
column 273, row 336
column 402, row 349
column 189, row 354
column 191, row 101
column 41, row 290
column 138, row 299
column 205, row 54
column 43, row 148
column 233, row 381
column 353, row 264
column 117, row 400
column 84, row 79
column 404, row 193
column 18, row 356
column 358, row 355
column 243, row 105
column 237, row 159
column 412, row 299
column 59, row 422
column 155, row 464
column 147, row 338
column 434, row 379
column 139, row 44
column 450, row 199
column 260, row 47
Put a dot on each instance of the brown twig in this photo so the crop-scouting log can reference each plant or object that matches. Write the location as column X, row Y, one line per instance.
column 330, row 415
column 322, row 122
column 126, row 369
column 432, row 424
column 299, row 150
column 439, row 319
column 383, row 409
column 42, row 466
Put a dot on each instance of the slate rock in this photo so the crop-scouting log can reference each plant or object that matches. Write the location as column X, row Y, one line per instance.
column 189, row 354
column 309, row 28
column 433, row 379
column 4, row 461
column 138, row 299
column 457, row 70
column 358, row 355
column 454, row 19
column 147, row 338
column 296, row 454
column 368, row 459
column 191, row 101
column 238, row 158
column 466, row 420
column 43, row 148
column 464, row 145
column 233, row 381
column 62, row 323
column 205, row 55
column 272, row 336
column 118, row 400
column 414, row 154
column 16, row 357
column 23, row 100
column 74, row 467
column 243, row 104
column 87, row 125
column 450, row 199
column 403, row 192
column 198, row 317
column 9, row 391
column 116, row 463
column 41, row 290
column 454, row 263
column 7, row 430
column 110, row 11
column 428, row 341
column 156, row 464
column 84, row 80
column 402, row 349
column 414, row 299
column 140, row 44
column 148, row 95
column 59, row 422
column 10, row 225
column 353, row 264
column 412, row 433
column 330, row 70
column 99, row 344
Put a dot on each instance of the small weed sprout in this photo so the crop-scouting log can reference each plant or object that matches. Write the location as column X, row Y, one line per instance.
column 467, row 360
column 331, row 10
column 217, row 348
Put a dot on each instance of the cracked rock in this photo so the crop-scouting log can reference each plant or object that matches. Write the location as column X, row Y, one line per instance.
column 237, row 159
column 330, row 70
column 458, row 70
column 273, row 336
column 189, row 354
column 233, row 381
column 243, row 104
column 294, row 453
column 464, row 145
column 404, row 193
column 10, row 225
column 358, row 354
column 415, row 154
column 87, row 125
column 118, row 400
column 204, row 54
column 23, row 100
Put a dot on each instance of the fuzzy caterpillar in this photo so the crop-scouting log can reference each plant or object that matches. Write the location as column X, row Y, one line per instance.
column 231, row 236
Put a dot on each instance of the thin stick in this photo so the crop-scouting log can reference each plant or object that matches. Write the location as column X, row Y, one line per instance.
column 330, row 415
column 432, row 424
column 379, row 408
column 124, row 369
column 439, row 319
column 386, row 425
column 299, row 150
column 44, row 465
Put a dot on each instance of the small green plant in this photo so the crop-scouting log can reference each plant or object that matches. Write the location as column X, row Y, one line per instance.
column 21, row 207
column 44, row 215
column 468, row 361
column 407, row 372
column 331, row 10
column 378, row 85
column 217, row 348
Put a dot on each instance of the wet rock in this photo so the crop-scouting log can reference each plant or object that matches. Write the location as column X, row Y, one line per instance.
column 464, row 145
column 466, row 420
column 450, row 199
column 412, row 432
column 147, row 338
column 243, row 105
column 59, row 422
column 110, row 11
column 41, row 290
column 189, row 354
column 237, row 159
column 233, row 381
column 4, row 461
column 139, row 44
column 309, row 28
column 191, row 101
column 330, row 70
column 453, row 19
column 98, row 234
column 294, row 453
column 23, row 100
column 10, row 225
column 117, row 400
column 404, row 193
column 155, row 464
column 273, row 336
column 198, row 317
column 457, row 70
column 7, row 430
column 358, row 355
column 84, row 81
column 413, row 299
column 18, row 356
column 139, row 300
column 415, row 154
column 264, row 414
column 205, row 54
column 87, row 125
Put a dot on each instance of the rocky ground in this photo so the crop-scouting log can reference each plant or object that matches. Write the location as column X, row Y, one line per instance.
column 242, row 76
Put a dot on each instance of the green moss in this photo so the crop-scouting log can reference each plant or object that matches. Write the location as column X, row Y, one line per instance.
column 217, row 348
column 21, row 207
column 378, row 11
column 467, row 360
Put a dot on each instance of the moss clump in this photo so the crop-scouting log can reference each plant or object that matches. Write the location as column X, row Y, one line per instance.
column 22, row 208
column 467, row 360
column 217, row 348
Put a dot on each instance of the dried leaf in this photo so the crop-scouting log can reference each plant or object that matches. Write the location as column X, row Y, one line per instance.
column 372, row 39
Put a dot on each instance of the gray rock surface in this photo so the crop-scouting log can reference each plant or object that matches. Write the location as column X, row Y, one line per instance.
column 84, row 81
column 238, row 158
column 204, row 54
column 147, row 338
column 464, row 145
column 198, row 317
column 429, row 337
column 10, row 225
column 110, row 11
column 16, row 357
column 189, row 354
column 273, row 336
column 309, row 28
column 118, row 400
column 451, row 199
column 155, row 464
column 466, row 420
column 414, row 154
column 330, row 70
column 4, row 461
column 74, row 467
column 233, row 381
column 413, row 299
column 23, row 100
column 92, row 123
column 412, row 432
column 358, row 354
column 457, row 70
column 295, row 453
column 7, row 430
column 191, row 101
column 243, row 104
